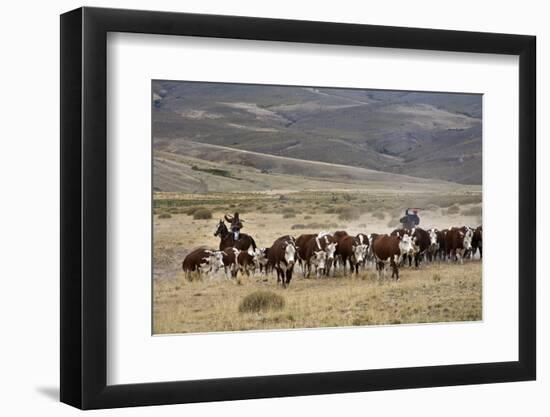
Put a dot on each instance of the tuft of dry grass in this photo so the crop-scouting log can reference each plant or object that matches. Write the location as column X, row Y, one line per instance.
column 164, row 216
column 261, row 300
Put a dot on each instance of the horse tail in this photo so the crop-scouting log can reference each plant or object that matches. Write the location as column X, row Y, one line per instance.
column 253, row 243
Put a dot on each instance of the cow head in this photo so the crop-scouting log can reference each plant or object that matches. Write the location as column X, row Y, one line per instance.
column 290, row 253
column 216, row 260
column 259, row 257
column 432, row 233
column 406, row 246
column 360, row 253
column 330, row 250
column 320, row 259
column 221, row 229
column 467, row 239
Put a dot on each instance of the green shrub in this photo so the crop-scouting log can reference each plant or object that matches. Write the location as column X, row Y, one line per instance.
column 202, row 214
column 261, row 300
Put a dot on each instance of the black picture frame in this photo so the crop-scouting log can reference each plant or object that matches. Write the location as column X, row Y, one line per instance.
column 84, row 207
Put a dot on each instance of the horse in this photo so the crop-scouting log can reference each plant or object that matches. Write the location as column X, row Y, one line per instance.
column 228, row 241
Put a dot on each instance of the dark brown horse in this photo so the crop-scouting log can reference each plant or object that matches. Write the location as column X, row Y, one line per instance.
column 228, row 241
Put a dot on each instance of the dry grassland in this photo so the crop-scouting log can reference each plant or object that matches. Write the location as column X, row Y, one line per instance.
column 433, row 293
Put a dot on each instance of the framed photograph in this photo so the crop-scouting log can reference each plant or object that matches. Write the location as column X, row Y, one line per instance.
column 257, row 208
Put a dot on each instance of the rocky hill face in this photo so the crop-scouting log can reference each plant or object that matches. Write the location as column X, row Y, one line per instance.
column 426, row 135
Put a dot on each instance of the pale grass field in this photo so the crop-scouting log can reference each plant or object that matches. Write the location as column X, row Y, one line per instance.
column 434, row 293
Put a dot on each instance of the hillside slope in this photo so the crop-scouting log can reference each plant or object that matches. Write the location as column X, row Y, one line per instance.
column 192, row 167
column 428, row 135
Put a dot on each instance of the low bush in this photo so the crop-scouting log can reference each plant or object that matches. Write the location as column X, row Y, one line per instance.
column 379, row 215
column 202, row 214
column 349, row 213
column 454, row 209
column 261, row 301
column 164, row 216
column 472, row 211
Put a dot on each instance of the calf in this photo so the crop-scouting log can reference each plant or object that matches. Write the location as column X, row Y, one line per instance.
column 282, row 256
column 353, row 251
column 260, row 259
column 245, row 261
column 202, row 260
column 389, row 248
column 458, row 241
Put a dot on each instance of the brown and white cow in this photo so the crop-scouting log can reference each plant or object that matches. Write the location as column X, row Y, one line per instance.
column 404, row 256
column 282, row 256
column 434, row 247
column 389, row 249
column 352, row 250
column 442, row 240
column 370, row 252
column 246, row 261
column 365, row 240
column 329, row 244
column 260, row 259
column 314, row 256
column 325, row 241
column 458, row 242
column 301, row 244
column 421, row 243
column 229, row 256
column 202, row 261
column 477, row 241
column 338, row 236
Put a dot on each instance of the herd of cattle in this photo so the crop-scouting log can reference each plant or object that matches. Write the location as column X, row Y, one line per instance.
column 325, row 252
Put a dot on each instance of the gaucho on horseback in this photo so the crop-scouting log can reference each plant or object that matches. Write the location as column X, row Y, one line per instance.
column 233, row 238
column 236, row 224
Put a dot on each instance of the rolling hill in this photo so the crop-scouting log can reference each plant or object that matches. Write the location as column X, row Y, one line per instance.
column 427, row 135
